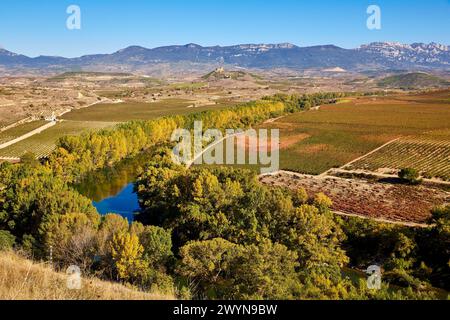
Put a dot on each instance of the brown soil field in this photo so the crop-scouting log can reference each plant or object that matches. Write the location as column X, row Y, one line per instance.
column 395, row 202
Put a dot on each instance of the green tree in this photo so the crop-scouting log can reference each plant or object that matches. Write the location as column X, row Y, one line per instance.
column 127, row 255
column 228, row 271
column 7, row 240
column 73, row 238
column 410, row 175
column 301, row 196
column 29, row 159
column 322, row 202
column 157, row 243
column 207, row 263
column 265, row 271
column 316, row 238
column 33, row 197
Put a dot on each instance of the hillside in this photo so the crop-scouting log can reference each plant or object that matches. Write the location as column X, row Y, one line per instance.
column 413, row 80
column 84, row 74
column 222, row 74
column 22, row 279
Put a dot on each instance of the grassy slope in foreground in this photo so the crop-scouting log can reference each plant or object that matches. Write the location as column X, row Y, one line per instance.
column 22, row 279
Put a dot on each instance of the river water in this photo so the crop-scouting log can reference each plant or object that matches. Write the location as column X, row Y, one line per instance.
column 112, row 189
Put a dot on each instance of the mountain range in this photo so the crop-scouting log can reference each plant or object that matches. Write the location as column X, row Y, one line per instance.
column 373, row 56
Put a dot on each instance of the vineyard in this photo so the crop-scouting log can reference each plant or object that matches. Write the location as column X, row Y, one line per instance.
column 430, row 156
column 319, row 140
column 43, row 143
column 19, row 130
column 128, row 111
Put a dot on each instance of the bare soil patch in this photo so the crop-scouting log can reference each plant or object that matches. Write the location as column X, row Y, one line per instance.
column 394, row 202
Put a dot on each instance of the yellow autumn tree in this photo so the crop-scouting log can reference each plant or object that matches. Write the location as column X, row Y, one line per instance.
column 127, row 254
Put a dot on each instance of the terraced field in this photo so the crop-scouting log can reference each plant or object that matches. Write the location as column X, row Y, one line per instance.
column 43, row 143
column 20, row 130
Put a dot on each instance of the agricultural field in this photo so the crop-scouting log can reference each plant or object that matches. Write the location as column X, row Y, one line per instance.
column 430, row 155
column 392, row 202
column 20, row 130
column 95, row 117
column 315, row 141
column 127, row 111
column 43, row 143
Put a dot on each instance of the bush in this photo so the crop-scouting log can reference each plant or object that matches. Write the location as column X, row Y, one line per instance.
column 321, row 201
column 410, row 175
column 301, row 196
column 7, row 240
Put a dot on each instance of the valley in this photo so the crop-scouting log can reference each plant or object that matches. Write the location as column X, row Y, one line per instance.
column 238, row 156
column 344, row 138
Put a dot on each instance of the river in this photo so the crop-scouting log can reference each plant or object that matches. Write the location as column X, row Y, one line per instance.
column 112, row 189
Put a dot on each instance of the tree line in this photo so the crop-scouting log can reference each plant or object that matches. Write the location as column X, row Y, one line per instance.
column 77, row 155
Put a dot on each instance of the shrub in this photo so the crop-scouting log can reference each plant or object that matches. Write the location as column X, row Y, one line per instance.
column 127, row 256
column 322, row 201
column 301, row 196
column 410, row 175
column 7, row 240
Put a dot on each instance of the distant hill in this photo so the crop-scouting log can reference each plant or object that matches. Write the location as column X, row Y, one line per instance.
column 82, row 74
column 374, row 56
column 102, row 77
column 413, row 80
column 222, row 74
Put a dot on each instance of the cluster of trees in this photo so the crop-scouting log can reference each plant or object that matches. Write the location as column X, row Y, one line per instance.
column 236, row 238
column 415, row 257
column 40, row 212
column 218, row 233
column 77, row 155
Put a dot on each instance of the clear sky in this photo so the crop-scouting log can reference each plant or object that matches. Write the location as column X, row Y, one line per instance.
column 35, row 27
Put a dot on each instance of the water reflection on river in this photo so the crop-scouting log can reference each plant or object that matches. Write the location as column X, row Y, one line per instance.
column 111, row 189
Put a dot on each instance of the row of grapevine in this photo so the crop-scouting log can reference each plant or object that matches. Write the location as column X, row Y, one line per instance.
column 430, row 156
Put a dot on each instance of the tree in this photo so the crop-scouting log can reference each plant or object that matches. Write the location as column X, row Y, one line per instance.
column 32, row 198
column 301, row 196
column 73, row 237
column 434, row 247
column 157, row 243
column 410, row 176
column 29, row 159
column 207, row 263
column 7, row 240
column 322, row 202
column 316, row 238
column 127, row 255
column 265, row 271
column 110, row 225
column 225, row 270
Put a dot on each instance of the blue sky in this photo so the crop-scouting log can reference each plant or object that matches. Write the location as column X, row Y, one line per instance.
column 35, row 27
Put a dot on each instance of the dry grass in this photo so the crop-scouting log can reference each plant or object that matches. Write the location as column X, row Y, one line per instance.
column 22, row 279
